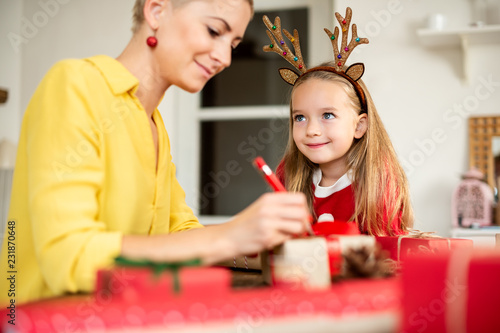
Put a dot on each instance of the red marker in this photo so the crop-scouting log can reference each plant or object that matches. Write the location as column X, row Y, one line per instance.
column 269, row 175
column 275, row 183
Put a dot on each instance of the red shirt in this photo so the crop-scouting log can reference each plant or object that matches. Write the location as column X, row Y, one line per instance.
column 333, row 203
column 339, row 206
column 336, row 202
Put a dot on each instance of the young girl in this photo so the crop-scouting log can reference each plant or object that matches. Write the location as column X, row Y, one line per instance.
column 339, row 153
column 342, row 158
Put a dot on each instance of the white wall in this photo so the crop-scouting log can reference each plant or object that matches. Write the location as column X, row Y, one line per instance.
column 72, row 29
column 78, row 29
column 415, row 88
column 418, row 91
column 10, row 70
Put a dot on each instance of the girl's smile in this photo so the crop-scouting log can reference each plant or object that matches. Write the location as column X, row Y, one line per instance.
column 316, row 145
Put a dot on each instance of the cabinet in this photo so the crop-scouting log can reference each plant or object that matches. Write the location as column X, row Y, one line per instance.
column 482, row 237
column 461, row 38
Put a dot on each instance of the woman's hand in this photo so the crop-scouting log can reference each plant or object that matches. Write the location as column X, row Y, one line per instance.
column 269, row 221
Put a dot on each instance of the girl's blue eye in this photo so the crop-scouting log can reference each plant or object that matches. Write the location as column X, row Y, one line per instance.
column 299, row 118
column 328, row 115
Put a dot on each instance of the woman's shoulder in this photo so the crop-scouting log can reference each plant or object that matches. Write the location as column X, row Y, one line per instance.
column 73, row 69
column 71, row 65
column 69, row 74
column 86, row 75
column 96, row 73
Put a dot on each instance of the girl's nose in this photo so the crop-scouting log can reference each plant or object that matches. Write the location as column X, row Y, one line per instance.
column 313, row 128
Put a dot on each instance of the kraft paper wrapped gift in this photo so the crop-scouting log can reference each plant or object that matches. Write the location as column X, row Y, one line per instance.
column 302, row 261
column 310, row 262
column 454, row 292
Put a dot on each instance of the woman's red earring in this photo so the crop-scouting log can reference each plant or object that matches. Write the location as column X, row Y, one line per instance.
column 152, row 41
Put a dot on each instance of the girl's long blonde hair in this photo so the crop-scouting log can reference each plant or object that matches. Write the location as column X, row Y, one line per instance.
column 381, row 190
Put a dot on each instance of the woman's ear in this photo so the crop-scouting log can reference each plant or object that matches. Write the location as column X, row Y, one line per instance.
column 152, row 12
column 361, row 126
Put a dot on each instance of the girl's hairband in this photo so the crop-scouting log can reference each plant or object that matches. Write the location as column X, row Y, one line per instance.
column 352, row 74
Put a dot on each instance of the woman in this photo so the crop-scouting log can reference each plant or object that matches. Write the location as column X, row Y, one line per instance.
column 94, row 177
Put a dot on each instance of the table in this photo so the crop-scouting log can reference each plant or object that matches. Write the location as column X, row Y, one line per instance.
column 249, row 306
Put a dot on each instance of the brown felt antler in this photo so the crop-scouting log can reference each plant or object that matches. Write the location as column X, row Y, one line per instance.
column 345, row 49
column 279, row 46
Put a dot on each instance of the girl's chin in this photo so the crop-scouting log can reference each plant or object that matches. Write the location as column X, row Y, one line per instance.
column 319, row 160
column 315, row 160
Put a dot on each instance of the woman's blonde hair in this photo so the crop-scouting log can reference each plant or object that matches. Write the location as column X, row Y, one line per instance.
column 381, row 190
column 138, row 11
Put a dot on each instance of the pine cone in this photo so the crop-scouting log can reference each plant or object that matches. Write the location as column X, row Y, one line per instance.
column 367, row 263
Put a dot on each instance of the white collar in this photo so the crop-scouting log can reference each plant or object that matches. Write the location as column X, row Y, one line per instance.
column 340, row 184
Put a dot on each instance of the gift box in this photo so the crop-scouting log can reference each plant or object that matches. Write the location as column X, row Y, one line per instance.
column 399, row 248
column 452, row 292
column 311, row 262
column 299, row 262
column 483, row 298
column 131, row 283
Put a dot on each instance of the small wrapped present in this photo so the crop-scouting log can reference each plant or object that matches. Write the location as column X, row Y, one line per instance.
column 303, row 261
column 400, row 247
column 311, row 262
column 132, row 281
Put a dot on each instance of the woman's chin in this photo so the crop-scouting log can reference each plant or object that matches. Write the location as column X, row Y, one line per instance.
column 192, row 87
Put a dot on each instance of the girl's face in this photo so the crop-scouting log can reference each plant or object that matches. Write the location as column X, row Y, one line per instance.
column 325, row 123
column 195, row 40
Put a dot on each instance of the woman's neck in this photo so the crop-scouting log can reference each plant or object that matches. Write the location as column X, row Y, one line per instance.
column 138, row 59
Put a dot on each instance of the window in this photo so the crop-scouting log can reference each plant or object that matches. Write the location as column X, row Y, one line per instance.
column 243, row 113
column 252, row 79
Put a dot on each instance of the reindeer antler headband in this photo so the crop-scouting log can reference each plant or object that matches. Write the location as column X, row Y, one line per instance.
column 352, row 74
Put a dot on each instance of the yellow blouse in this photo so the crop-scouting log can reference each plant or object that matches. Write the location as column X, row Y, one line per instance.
column 85, row 175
